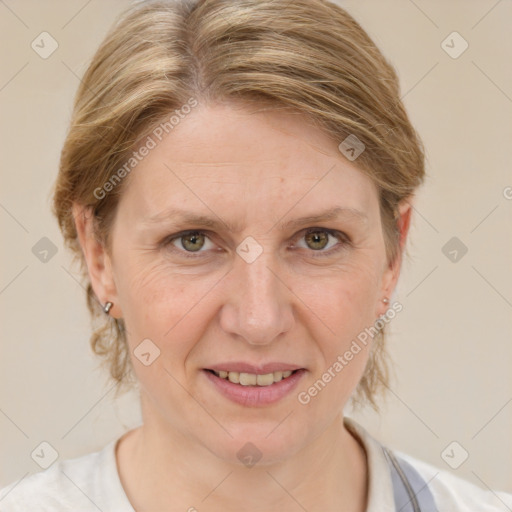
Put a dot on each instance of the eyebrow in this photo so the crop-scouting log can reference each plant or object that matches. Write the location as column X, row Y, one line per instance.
column 183, row 216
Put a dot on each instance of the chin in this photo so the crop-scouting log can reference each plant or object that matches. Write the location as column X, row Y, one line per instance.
column 257, row 445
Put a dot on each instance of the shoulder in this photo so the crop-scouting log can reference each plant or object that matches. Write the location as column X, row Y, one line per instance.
column 451, row 492
column 68, row 485
column 436, row 489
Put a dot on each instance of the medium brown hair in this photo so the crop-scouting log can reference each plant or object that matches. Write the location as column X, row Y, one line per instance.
column 306, row 56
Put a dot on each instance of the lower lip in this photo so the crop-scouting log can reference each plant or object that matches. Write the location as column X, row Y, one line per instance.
column 254, row 396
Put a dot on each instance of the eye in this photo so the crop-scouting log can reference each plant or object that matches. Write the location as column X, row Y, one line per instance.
column 317, row 239
column 189, row 242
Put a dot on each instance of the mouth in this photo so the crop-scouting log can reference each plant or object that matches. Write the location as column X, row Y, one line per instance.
column 254, row 389
column 253, row 379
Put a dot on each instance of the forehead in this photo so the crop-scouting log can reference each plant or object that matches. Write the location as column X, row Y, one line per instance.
column 232, row 157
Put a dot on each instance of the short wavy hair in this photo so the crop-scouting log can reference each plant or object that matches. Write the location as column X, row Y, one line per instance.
column 305, row 56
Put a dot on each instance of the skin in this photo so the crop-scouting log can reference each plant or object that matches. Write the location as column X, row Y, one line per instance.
column 255, row 170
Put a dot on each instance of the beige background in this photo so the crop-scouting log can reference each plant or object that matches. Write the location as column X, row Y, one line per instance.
column 452, row 343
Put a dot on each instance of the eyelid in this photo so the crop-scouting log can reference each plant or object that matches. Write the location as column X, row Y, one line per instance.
column 334, row 232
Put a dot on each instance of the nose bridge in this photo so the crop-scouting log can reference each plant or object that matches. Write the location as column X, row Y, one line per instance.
column 259, row 279
column 261, row 310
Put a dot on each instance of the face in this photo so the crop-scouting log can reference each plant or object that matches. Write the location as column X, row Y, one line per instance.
column 260, row 287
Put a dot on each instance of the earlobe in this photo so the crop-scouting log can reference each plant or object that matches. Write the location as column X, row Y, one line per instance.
column 96, row 257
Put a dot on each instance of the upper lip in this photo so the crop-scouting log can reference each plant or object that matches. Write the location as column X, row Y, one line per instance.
column 242, row 367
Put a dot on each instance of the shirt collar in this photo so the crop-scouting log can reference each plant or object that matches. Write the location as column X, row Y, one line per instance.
column 380, row 486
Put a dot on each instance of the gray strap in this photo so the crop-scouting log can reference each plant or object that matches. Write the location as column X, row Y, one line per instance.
column 410, row 490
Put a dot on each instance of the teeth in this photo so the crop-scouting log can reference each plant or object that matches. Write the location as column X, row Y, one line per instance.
column 251, row 379
column 234, row 377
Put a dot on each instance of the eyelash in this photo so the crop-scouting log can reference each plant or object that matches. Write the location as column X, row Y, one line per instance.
column 342, row 237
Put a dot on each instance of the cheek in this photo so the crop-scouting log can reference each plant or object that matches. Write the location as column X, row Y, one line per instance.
column 343, row 298
column 164, row 307
column 340, row 309
column 159, row 303
column 340, row 318
column 149, row 294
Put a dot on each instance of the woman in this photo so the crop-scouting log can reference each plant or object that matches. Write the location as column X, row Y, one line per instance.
column 238, row 182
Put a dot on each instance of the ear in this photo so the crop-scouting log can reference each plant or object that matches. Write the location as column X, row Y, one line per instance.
column 99, row 264
column 392, row 272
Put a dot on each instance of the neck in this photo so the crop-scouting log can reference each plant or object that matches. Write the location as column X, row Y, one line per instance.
column 160, row 468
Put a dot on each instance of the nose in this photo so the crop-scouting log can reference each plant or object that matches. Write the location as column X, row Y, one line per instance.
column 259, row 307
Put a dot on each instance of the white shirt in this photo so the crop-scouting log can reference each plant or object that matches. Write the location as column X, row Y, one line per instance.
column 91, row 482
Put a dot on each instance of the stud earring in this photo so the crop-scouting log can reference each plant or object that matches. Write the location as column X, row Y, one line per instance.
column 107, row 307
column 385, row 300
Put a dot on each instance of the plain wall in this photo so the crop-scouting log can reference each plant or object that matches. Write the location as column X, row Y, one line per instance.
column 451, row 344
